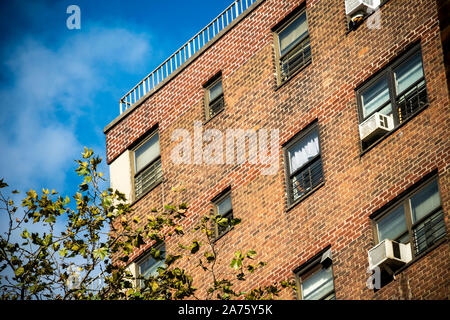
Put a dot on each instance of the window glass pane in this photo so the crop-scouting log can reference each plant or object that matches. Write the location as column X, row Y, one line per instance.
column 293, row 33
column 215, row 91
column 148, row 152
column 392, row 225
column 425, row 201
column 375, row 96
column 319, row 285
column 224, row 205
column 386, row 110
column 408, row 72
column 303, row 151
column 149, row 267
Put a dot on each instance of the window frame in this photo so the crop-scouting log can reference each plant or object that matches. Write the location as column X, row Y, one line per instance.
column 310, row 268
column 288, row 175
column 229, row 214
column 389, row 72
column 404, row 200
column 144, row 257
column 207, row 102
column 280, row 27
column 135, row 173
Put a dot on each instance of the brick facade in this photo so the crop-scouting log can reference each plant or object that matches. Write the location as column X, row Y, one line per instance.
column 356, row 184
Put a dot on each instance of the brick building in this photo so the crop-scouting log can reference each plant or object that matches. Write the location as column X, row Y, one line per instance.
column 354, row 109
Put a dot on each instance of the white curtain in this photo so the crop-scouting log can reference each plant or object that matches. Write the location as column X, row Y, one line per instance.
column 304, row 151
column 295, row 31
column 148, row 152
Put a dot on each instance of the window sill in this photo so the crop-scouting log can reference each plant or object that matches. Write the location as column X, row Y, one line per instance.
column 293, row 75
column 296, row 202
column 150, row 189
column 373, row 145
column 214, row 116
column 421, row 255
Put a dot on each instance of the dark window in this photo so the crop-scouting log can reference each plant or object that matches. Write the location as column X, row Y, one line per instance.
column 293, row 45
column 304, row 164
column 149, row 264
column 398, row 92
column 316, row 280
column 147, row 165
column 223, row 207
column 214, row 100
column 417, row 219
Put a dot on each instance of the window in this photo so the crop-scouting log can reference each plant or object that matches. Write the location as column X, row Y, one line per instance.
column 214, row 101
column 222, row 206
column 315, row 280
column 149, row 264
column 304, row 164
column 147, row 165
column 417, row 219
column 399, row 92
column 293, row 45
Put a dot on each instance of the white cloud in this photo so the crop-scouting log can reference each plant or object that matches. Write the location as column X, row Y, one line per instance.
column 51, row 91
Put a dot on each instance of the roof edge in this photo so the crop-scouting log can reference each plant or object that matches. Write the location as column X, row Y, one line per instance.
column 194, row 57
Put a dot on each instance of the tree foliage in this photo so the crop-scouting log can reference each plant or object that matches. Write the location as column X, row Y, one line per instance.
column 78, row 247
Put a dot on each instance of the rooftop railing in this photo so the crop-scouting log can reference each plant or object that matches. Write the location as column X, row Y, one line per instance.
column 184, row 53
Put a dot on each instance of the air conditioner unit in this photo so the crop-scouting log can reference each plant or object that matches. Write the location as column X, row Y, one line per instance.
column 375, row 126
column 355, row 8
column 389, row 255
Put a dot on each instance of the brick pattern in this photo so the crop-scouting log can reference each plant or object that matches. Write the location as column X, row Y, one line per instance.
column 355, row 185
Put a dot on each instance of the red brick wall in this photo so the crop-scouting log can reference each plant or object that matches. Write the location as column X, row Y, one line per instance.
column 356, row 185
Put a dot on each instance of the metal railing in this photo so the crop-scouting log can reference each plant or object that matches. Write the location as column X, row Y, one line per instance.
column 429, row 231
column 299, row 56
column 148, row 177
column 412, row 100
column 306, row 179
column 184, row 53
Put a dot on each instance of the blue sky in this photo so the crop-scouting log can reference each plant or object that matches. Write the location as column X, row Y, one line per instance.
column 59, row 88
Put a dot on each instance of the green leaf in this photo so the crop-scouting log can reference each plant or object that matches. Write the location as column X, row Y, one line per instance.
column 25, row 234
column 236, row 263
column 251, row 254
column 63, row 252
column 179, row 230
column 235, row 221
column 209, row 257
column 195, row 246
column 100, row 253
column 223, row 222
column 19, row 271
column 3, row 184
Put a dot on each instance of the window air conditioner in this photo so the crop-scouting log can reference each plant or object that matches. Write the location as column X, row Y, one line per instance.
column 389, row 255
column 354, row 8
column 376, row 125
